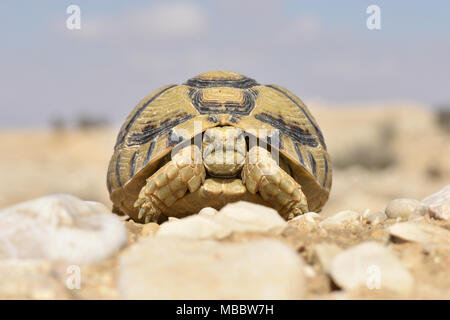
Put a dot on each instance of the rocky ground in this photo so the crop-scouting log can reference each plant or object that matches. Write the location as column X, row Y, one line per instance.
column 362, row 244
column 61, row 247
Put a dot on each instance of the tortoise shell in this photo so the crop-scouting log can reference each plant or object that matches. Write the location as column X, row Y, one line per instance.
column 176, row 113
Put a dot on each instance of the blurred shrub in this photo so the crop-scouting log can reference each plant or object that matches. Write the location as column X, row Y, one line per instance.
column 434, row 172
column 372, row 154
column 57, row 123
column 85, row 121
column 82, row 121
column 369, row 157
column 443, row 118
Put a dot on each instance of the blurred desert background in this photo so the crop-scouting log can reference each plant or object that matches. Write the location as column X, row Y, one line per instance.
column 379, row 152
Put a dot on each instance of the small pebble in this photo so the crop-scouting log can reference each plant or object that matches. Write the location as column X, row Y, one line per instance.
column 376, row 218
column 341, row 219
column 420, row 232
column 310, row 272
column 405, row 208
column 149, row 229
column 439, row 204
column 373, row 266
column 366, row 213
column 305, row 222
column 208, row 211
column 325, row 253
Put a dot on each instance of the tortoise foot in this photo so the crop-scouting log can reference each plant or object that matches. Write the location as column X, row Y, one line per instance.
column 262, row 174
column 171, row 182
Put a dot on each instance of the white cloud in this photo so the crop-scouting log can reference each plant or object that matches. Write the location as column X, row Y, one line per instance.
column 90, row 29
column 160, row 21
column 302, row 28
column 182, row 19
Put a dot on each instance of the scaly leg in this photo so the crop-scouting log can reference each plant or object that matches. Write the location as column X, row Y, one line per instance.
column 170, row 183
column 262, row 174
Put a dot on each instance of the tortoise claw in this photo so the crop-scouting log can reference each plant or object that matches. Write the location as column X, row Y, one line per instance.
column 142, row 212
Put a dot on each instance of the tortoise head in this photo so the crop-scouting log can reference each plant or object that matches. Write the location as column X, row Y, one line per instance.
column 224, row 150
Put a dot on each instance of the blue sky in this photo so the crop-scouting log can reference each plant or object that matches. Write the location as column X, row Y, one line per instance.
column 126, row 49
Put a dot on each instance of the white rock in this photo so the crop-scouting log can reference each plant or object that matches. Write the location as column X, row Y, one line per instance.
column 441, row 212
column 439, row 204
column 194, row 227
column 237, row 217
column 420, row 232
column 341, row 219
column 373, row 266
column 255, row 216
column 405, row 208
column 309, row 272
column 175, row 268
column 310, row 216
column 366, row 213
column 208, row 211
column 60, row 227
column 305, row 222
column 376, row 218
column 325, row 253
column 29, row 279
column 149, row 229
column 306, row 217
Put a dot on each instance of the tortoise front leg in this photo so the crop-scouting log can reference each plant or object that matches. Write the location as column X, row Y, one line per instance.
column 262, row 174
column 170, row 183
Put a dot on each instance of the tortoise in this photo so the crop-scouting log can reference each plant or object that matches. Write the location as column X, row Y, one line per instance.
column 218, row 138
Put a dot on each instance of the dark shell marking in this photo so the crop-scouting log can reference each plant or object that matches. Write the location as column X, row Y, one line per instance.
column 243, row 83
column 292, row 130
column 152, row 130
column 127, row 125
column 316, row 127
